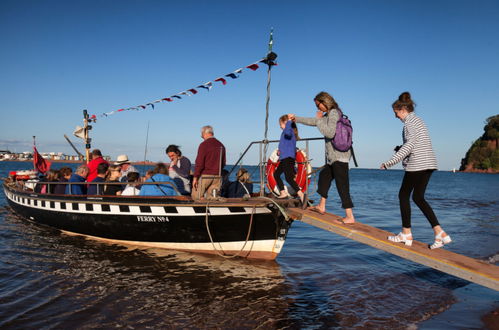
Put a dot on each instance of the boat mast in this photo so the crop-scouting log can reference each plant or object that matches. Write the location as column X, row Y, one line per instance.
column 86, row 128
column 269, row 60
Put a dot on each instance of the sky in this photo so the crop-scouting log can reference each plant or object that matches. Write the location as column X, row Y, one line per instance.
column 60, row 57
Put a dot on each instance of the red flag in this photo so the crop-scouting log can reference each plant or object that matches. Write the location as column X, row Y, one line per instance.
column 224, row 82
column 193, row 91
column 40, row 164
column 253, row 66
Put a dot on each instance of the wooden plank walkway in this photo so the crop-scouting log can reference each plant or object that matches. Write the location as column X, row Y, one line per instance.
column 470, row 269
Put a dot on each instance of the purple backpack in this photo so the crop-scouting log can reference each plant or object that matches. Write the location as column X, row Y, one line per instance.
column 342, row 140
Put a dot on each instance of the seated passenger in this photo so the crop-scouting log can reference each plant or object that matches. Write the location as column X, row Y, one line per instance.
column 242, row 186
column 180, row 169
column 125, row 167
column 225, row 183
column 131, row 188
column 113, row 176
column 79, row 176
column 160, row 175
column 98, row 189
column 64, row 175
column 52, row 178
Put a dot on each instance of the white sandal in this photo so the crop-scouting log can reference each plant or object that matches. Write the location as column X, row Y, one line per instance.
column 401, row 238
column 440, row 241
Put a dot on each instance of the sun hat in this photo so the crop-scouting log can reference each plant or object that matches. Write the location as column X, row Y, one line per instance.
column 122, row 159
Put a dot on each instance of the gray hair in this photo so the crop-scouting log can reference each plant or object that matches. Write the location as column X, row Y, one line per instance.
column 82, row 169
column 207, row 129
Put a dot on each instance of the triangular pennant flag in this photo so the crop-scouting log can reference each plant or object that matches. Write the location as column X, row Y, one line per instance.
column 152, row 105
column 224, row 82
column 253, row 66
column 193, row 91
column 177, row 97
column 206, row 86
column 232, row 75
column 167, row 99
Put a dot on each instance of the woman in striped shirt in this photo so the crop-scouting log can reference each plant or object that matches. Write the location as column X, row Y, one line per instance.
column 419, row 162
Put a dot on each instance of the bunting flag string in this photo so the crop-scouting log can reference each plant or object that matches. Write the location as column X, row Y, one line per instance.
column 192, row 91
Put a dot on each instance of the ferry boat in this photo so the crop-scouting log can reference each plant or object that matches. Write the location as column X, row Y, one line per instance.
column 254, row 228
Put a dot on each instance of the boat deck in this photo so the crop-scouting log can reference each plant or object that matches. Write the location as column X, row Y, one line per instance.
column 467, row 268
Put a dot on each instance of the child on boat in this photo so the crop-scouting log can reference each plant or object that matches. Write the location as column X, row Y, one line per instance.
column 287, row 158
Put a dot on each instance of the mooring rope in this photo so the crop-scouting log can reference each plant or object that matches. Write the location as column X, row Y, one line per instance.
column 211, row 237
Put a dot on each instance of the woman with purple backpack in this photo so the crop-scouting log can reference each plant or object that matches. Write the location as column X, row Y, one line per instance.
column 326, row 118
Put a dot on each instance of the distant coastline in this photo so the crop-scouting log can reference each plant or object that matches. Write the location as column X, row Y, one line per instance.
column 73, row 161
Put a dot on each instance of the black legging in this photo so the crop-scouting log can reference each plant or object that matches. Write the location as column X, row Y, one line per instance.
column 338, row 171
column 417, row 182
column 287, row 165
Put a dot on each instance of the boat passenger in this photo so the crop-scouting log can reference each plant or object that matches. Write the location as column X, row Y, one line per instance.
column 180, row 169
column 336, row 168
column 241, row 187
column 98, row 189
column 160, row 174
column 419, row 162
column 225, row 183
column 113, row 177
column 79, row 176
column 125, row 166
column 287, row 158
column 64, row 175
column 210, row 161
column 94, row 163
column 52, row 178
column 131, row 188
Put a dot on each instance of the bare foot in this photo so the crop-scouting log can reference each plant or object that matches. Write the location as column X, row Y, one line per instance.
column 317, row 209
column 348, row 220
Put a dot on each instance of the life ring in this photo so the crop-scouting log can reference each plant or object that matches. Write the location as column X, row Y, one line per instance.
column 303, row 170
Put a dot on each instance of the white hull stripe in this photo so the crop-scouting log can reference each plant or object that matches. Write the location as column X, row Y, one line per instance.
column 274, row 245
column 97, row 208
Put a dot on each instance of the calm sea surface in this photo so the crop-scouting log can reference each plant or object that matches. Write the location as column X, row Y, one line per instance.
column 319, row 281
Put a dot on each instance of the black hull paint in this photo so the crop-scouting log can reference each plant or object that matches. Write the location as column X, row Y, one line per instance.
column 160, row 222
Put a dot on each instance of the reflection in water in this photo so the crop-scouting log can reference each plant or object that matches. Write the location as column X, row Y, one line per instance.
column 320, row 280
column 70, row 281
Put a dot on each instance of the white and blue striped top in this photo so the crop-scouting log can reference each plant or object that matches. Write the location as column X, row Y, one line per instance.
column 416, row 153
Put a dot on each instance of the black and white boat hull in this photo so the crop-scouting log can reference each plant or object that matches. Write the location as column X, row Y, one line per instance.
column 252, row 229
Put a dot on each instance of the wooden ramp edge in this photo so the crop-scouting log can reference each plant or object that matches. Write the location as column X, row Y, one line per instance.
column 467, row 268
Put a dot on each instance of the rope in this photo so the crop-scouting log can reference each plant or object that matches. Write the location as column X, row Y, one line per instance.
column 281, row 209
column 211, row 237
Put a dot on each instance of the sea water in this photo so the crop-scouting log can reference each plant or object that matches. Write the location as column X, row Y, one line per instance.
column 319, row 281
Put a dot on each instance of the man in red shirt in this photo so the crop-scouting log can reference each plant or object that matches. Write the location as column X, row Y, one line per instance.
column 209, row 164
column 94, row 163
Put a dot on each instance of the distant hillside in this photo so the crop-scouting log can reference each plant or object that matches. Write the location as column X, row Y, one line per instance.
column 483, row 155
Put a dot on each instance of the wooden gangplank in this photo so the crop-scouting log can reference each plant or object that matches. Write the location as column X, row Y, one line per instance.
column 470, row 269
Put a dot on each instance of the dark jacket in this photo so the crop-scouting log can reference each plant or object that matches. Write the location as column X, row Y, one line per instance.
column 96, row 189
column 236, row 190
column 60, row 189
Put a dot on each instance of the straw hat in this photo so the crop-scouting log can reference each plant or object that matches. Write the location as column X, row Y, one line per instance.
column 122, row 159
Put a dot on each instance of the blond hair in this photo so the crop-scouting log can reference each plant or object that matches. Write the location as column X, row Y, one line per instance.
column 243, row 175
